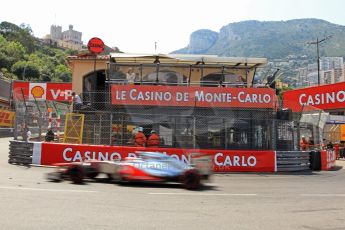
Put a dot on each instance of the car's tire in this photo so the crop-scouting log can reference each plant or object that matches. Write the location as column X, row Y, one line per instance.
column 76, row 174
column 191, row 179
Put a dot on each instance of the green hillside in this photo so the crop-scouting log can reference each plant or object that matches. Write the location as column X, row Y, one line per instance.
column 24, row 57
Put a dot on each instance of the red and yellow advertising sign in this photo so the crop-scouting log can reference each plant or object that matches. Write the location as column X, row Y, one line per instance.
column 193, row 96
column 322, row 97
column 6, row 118
column 42, row 91
column 222, row 160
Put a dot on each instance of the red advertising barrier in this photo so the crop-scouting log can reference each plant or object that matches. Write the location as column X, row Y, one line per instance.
column 42, row 91
column 193, row 96
column 323, row 97
column 328, row 159
column 223, row 160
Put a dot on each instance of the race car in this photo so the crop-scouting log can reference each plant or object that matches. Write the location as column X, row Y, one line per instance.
column 78, row 171
column 158, row 167
column 147, row 167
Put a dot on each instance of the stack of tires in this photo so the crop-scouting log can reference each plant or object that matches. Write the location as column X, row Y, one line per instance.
column 315, row 160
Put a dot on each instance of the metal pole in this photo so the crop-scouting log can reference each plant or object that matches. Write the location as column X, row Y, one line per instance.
column 318, row 61
column 111, row 129
column 194, row 132
column 190, row 75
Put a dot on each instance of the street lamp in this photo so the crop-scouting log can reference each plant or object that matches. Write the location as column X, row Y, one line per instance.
column 317, row 42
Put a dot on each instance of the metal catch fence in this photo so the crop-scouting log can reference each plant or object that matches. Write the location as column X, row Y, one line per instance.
column 177, row 126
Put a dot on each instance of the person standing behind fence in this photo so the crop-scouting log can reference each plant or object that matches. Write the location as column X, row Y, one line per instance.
column 303, row 144
column 140, row 138
column 329, row 145
column 311, row 143
column 153, row 140
column 28, row 134
column 50, row 136
column 130, row 76
column 76, row 100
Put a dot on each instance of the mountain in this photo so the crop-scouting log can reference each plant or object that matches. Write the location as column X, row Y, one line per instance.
column 269, row 39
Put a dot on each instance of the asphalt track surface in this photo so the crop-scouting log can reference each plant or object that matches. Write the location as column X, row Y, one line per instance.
column 311, row 201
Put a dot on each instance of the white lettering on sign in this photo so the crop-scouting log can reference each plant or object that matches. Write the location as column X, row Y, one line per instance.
column 182, row 96
column 212, row 97
column 62, row 93
column 149, row 95
column 241, row 161
column 322, row 98
column 69, row 155
column 254, row 98
column 120, row 95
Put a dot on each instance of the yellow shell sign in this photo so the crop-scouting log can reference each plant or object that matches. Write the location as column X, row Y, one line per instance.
column 37, row 91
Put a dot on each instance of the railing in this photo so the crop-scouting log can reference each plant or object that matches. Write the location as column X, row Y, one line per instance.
column 289, row 161
column 193, row 83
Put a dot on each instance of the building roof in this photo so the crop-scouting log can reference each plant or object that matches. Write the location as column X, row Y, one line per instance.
column 189, row 59
column 176, row 59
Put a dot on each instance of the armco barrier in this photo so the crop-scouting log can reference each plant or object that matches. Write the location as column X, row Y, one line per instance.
column 20, row 152
column 290, row 161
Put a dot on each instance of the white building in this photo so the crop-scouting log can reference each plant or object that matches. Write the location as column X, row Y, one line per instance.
column 70, row 38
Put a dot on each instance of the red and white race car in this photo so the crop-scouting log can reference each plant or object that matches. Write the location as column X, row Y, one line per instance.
column 148, row 166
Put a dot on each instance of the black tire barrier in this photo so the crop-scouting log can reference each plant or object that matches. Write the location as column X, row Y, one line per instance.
column 20, row 152
column 292, row 161
column 315, row 160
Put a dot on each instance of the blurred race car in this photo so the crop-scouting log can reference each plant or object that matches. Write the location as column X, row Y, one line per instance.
column 148, row 167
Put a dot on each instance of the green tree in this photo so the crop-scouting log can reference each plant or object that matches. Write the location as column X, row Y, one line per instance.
column 64, row 73
column 26, row 70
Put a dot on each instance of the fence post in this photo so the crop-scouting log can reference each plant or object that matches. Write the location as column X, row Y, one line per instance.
column 111, row 129
column 194, row 133
column 274, row 134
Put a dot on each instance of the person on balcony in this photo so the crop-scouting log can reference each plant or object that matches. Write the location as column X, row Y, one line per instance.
column 130, row 76
column 153, row 140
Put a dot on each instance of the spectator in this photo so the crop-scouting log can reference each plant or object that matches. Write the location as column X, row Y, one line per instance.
column 116, row 139
column 329, row 145
column 140, row 138
column 303, row 144
column 311, row 142
column 50, row 136
column 24, row 131
column 153, row 140
column 130, row 76
column 28, row 134
column 76, row 102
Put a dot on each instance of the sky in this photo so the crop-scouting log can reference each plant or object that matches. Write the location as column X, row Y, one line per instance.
column 135, row 25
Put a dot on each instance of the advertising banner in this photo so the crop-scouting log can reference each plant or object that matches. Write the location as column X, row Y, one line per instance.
column 6, row 118
column 222, row 160
column 328, row 159
column 193, row 96
column 323, row 97
column 42, row 91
